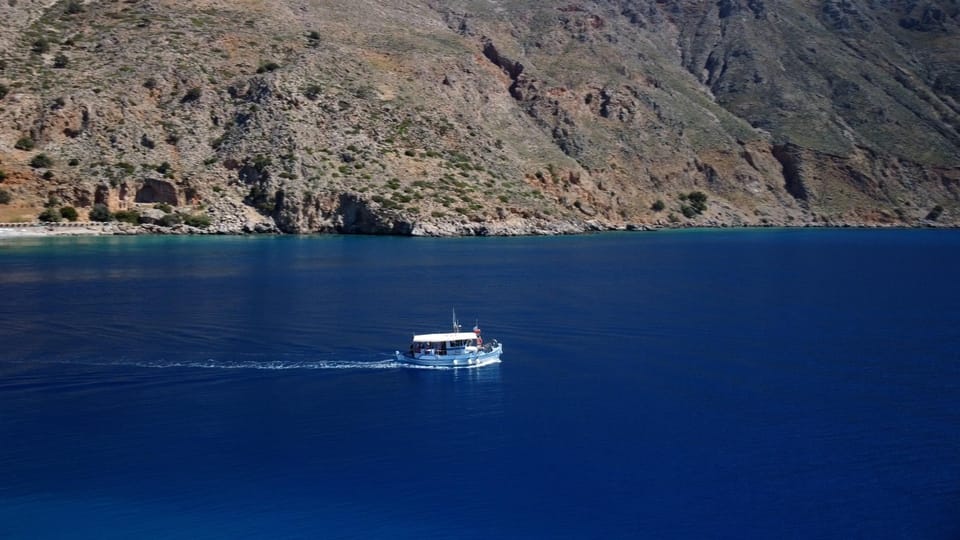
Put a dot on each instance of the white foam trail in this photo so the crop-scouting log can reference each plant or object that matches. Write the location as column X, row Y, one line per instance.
column 387, row 363
column 268, row 364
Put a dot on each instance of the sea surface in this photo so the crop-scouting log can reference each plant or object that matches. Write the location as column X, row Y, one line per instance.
column 690, row 384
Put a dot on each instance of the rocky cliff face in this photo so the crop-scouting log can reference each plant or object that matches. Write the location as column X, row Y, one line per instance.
column 484, row 117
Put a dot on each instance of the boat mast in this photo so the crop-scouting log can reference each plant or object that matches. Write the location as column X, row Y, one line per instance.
column 456, row 327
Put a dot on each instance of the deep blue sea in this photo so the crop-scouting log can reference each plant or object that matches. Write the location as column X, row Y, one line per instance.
column 690, row 384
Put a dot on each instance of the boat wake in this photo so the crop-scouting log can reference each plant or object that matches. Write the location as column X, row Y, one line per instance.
column 300, row 363
column 269, row 364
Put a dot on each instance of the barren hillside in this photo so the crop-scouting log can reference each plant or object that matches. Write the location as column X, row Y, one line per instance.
column 482, row 116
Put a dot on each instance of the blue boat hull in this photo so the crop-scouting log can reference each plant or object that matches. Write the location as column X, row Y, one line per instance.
column 474, row 359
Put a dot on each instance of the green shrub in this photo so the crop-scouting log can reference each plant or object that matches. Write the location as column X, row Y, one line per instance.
column 935, row 213
column 261, row 162
column 696, row 203
column 3, row 175
column 100, row 212
column 261, row 199
column 73, row 162
column 201, row 221
column 127, row 168
column 192, row 94
column 69, row 213
column 268, row 67
column 170, row 220
column 5, row 196
column 658, row 206
column 150, row 83
column 24, row 143
column 4, row 90
column 127, row 216
column 61, row 61
column 311, row 91
column 41, row 161
column 164, row 168
column 164, row 207
column 74, row 7
column 48, row 175
column 40, row 46
column 50, row 215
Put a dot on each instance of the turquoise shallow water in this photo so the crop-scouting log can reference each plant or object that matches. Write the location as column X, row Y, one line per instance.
column 747, row 384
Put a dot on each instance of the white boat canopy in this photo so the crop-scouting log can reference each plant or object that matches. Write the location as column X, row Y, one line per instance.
column 437, row 338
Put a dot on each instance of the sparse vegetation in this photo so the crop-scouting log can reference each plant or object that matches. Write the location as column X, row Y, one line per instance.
column 127, row 168
column 268, row 67
column 5, row 196
column 649, row 134
column 40, row 46
column 696, row 204
column 262, row 200
column 170, row 220
column 201, row 221
column 127, row 216
column 312, row 91
column 50, row 215
column 69, row 213
column 192, row 94
column 935, row 213
column 163, row 207
column 261, row 162
column 41, row 161
column 100, row 212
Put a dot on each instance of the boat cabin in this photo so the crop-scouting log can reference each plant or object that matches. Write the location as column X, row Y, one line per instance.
column 444, row 344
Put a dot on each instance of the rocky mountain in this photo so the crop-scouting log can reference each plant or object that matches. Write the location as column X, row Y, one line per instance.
column 483, row 116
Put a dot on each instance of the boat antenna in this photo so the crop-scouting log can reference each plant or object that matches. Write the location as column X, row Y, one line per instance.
column 456, row 327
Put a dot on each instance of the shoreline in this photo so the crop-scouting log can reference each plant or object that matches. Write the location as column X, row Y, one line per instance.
column 86, row 229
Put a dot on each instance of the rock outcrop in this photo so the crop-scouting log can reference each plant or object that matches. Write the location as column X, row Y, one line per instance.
column 472, row 117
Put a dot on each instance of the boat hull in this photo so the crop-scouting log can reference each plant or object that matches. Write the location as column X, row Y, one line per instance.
column 474, row 359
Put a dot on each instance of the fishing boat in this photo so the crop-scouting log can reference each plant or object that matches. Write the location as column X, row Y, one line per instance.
column 451, row 349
